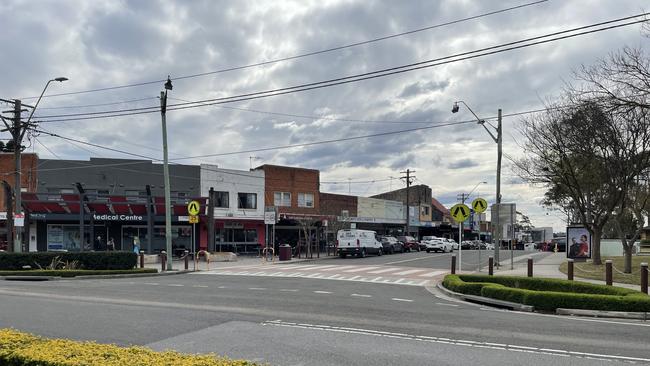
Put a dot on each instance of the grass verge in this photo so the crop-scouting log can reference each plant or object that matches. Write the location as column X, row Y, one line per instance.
column 23, row 349
column 549, row 294
column 76, row 272
column 594, row 272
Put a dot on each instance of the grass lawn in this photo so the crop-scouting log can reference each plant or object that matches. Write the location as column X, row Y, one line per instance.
column 594, row 272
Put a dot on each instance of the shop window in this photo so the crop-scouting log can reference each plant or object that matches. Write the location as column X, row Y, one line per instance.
column 247, row 200
column 425, row 210
column 282, row 199
column 305, row 200
column 235, row 235
column 221, row 199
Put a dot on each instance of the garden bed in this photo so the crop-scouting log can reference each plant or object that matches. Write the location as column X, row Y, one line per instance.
column 76, row 272
column 597, row 272
column 549, row 294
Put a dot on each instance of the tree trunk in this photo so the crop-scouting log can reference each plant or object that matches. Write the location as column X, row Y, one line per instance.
column 627, row 249
column 595, row 246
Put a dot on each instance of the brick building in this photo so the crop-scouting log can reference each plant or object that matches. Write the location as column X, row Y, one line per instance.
column 419, row 205
column 294, row 191
column 28, row 178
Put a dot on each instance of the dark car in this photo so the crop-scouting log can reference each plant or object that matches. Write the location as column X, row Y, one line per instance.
column 409, row 243
column 391, row 245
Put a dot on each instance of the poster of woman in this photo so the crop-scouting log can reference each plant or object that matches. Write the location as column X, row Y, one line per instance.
column 579, row 242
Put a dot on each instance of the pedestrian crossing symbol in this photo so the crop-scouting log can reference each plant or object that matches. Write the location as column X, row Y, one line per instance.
column 460, row 212
column 479, row 205
column 193, row 208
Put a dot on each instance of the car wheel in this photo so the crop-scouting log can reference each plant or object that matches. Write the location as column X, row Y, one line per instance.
column 379, row 253
column 428, row 251
column 342, row 255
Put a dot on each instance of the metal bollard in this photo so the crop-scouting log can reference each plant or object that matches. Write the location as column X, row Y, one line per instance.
column 530, row 267
column 142, row 259
column 608, row 272
column 187, row 260
column 491, row 266
column 163, row 260
column 569, row 272
column 644, row 277
column 453, row 264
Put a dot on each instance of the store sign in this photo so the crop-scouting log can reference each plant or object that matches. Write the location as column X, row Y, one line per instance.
column 3, row 215
column 270, row 215
column 19, row 219
column 118, row 217
column 233, row 225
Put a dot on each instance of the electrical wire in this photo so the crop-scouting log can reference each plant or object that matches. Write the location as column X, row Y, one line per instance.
column 358, row 77
column 327, row 50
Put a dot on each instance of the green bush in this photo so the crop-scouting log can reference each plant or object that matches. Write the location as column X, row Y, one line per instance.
column 77, row 272
column 85, row 260
column 549, row 294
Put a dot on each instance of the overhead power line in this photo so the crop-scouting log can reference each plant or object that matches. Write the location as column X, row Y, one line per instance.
column 313, row 53
column 556, row 36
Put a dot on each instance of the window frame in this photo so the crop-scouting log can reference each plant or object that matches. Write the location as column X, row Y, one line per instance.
column 246, row 196
column 304, row 200
column 217, row 199
column 283, row 199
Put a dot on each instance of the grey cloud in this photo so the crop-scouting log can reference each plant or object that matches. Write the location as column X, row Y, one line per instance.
column 421, row 88
column 462, row 164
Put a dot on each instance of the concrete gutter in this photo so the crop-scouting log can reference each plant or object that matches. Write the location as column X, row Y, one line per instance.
column 604, row 314
column 486, row 300
column 92, row 277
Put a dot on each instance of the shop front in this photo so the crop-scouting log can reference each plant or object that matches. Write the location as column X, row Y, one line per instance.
column 239, row 236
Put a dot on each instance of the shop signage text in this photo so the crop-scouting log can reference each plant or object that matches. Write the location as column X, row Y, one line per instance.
column 119, row 217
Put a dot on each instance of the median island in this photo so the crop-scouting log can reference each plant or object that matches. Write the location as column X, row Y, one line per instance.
column 23, row 349
column 548, row 295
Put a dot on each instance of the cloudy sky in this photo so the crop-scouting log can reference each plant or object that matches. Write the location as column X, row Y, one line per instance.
column 105, row 44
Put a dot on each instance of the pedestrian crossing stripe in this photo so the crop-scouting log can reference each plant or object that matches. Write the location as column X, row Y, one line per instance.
column 479, row 205
column 460, row 212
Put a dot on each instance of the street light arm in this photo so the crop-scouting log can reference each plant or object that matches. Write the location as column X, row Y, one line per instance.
column 38, row 101
column 476, row 186
column 482, row 123
column 470, row 109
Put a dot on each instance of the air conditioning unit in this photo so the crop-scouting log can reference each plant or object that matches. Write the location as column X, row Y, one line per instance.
column 345, row 214
column 230, row 214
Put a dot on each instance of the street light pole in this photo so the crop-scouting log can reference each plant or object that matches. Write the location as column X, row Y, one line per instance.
column 168, row 206
column 498, row 139
column 18, row 132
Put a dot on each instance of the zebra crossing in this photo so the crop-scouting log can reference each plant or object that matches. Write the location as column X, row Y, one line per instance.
column 406, row 276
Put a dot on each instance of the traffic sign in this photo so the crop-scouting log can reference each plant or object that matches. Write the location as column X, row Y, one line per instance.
column 460, row 212
column 194, row 219
column 193, row 208
column 479, row 205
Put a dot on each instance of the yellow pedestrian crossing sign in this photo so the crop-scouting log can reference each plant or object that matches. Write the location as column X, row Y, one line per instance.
column 479, row 205
column 193, row 208
column 460, row 212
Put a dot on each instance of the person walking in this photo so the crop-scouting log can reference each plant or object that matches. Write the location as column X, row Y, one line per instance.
column 110, row 245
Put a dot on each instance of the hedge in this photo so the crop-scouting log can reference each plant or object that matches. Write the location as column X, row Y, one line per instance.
column 77, row 272
column 22, row 349
column 85, row 260
column 549, row 294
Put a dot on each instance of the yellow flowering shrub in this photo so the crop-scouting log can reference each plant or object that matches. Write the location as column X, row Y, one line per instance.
column 22, row 349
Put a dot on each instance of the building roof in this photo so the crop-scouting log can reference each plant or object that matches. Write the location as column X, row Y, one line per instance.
column 435, row 203
column 285, row 167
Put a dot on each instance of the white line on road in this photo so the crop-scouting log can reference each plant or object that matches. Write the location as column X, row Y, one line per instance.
column 359, row 269
column 322, row 292
column 222, row 287
column 398, row 299
column 151, row 283
column 411, row 271
column 385, row 270
column 411, row 260
column 432, row 274
column 257, row 288
column 288, row 290
column 458, row 342
column 443, row 304
column 175, row 285
column 200, row 286
column 360, row 295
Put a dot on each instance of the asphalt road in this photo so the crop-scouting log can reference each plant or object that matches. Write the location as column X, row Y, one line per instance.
column 298, row 321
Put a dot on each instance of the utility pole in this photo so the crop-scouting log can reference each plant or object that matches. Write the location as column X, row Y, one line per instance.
column 168, row 206
column 497, row 231
column 408, row 178
column 18, row 139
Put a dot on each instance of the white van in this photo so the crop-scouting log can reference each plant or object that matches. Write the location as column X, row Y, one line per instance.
column 357, row 242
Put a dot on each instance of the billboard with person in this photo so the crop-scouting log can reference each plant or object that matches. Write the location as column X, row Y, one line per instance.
column 578, row 242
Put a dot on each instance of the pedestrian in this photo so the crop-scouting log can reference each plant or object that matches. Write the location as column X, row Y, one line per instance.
column 110, row 245
column 136, row 244
column 98, row 243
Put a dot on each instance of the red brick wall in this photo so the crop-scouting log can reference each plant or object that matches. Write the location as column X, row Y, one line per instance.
column 294, row 180
column 332, row 204
column 29, row 176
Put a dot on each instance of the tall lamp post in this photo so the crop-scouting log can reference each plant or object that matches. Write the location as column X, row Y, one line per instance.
column 498, row 139
column 168, row 206
column 18, row 132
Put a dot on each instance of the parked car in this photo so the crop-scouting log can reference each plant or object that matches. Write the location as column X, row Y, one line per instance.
column 357, row 242
column 466, row 245
column 409, row 243
column 453, row 243
column 391, row 244
column 438, row 245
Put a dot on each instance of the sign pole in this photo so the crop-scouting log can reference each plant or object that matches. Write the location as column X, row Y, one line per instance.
column 460, row 247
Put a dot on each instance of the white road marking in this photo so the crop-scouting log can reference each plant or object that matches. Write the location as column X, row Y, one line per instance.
column 409, row 260
column 443, row 304
column 257, row 288
column 151, row 283
column 458, row 342
column 338, row 268
column 200, row 286
column 376, row 279
column 359, row 269
column 288, row 290
column 432, row 274
column 360, row 295
column 175, row 285
column 398, row 299
column 411, row 271
column 222, row 287
column 385, row 270
column 322, row 292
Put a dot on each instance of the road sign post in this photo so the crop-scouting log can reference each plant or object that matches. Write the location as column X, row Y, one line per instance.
column 193, row 209
column 479, row 205
column 460, row 212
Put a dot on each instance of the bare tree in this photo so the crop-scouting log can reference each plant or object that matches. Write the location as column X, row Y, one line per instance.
column 587, row 157
column 629, row 219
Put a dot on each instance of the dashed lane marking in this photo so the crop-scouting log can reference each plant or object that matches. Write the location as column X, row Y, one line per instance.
column 403, row 300
column 360, row 295
column 411, row 271
column 384, row 270
column 199, row 286
column 322, row 292
column 175, row 285
column 432, row 274
column 359, row 269
column 444, row 304
column 257, row 288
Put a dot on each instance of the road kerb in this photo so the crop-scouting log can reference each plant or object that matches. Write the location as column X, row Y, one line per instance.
column 487, row 300
column 603, row 314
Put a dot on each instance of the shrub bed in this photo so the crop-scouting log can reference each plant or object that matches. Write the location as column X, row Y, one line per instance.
column 549, row 294
column 83, row 260
column 22, row 349
column 77, row 272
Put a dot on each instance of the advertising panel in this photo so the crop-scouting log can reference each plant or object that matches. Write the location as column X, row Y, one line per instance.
column 578, row 242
